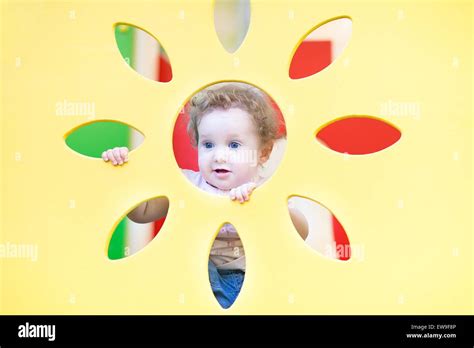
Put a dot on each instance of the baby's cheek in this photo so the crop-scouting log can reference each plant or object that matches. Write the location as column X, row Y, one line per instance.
column 203, row 158
column 246, row 173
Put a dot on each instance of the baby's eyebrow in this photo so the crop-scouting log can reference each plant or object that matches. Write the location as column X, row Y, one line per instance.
column 235, row 135
column 231, row 136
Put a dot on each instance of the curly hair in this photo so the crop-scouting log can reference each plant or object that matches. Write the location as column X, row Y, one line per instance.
column 229, row 95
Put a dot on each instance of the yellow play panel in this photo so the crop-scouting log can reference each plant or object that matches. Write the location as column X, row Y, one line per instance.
column 407, row 207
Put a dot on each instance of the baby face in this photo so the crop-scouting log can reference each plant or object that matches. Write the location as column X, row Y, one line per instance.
column 228, row 148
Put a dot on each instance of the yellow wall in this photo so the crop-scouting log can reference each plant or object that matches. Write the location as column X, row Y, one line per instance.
column 1, row 161
column 399, row 51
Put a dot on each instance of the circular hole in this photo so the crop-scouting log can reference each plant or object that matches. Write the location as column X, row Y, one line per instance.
column 227, row 135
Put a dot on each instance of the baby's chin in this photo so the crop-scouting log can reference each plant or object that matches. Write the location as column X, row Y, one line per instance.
column 226, row 184
column 222, row 186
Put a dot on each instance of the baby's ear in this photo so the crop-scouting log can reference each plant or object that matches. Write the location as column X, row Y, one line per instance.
column 265, row 152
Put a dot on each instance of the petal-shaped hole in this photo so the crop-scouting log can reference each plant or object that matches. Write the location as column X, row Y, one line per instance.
column 231, row 21
column 93, row 138
column 138, row 228
column 224, row 110
column 358, row 135
column 143, row 52
column 319, row 228
column 226, row 265
column 320, row 47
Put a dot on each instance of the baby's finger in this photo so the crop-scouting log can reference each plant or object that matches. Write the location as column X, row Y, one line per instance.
column 232, row 194
column 239, row 195
column 251, row 186
column 245, row 194
column 124, row 153
column 111, row 156
column 117, row 155
column 104, row 156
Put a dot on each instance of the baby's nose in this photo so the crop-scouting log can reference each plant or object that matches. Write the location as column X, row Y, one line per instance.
column 220, row 156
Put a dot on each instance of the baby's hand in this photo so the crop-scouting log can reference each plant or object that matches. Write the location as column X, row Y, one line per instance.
column 118, row 155
column 242, row 193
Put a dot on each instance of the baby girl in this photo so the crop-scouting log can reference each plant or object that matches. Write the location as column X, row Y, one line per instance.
column 233, row 126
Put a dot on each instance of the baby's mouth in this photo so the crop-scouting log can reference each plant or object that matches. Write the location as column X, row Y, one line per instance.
column 221, row 171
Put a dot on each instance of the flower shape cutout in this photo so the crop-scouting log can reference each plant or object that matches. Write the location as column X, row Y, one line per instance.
column 349, row 135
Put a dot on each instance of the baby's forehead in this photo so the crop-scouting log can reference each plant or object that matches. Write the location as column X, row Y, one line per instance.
column 226, row 133
column 224, row 112
column 230, row 123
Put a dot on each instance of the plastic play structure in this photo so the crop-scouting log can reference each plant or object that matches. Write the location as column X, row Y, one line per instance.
column 407, row 206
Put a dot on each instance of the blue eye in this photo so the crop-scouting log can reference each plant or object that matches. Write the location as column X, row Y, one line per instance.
column 234, row 145
column 208, row 144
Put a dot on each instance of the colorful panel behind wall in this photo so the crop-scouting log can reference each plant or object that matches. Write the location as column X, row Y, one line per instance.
column 406, row 208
